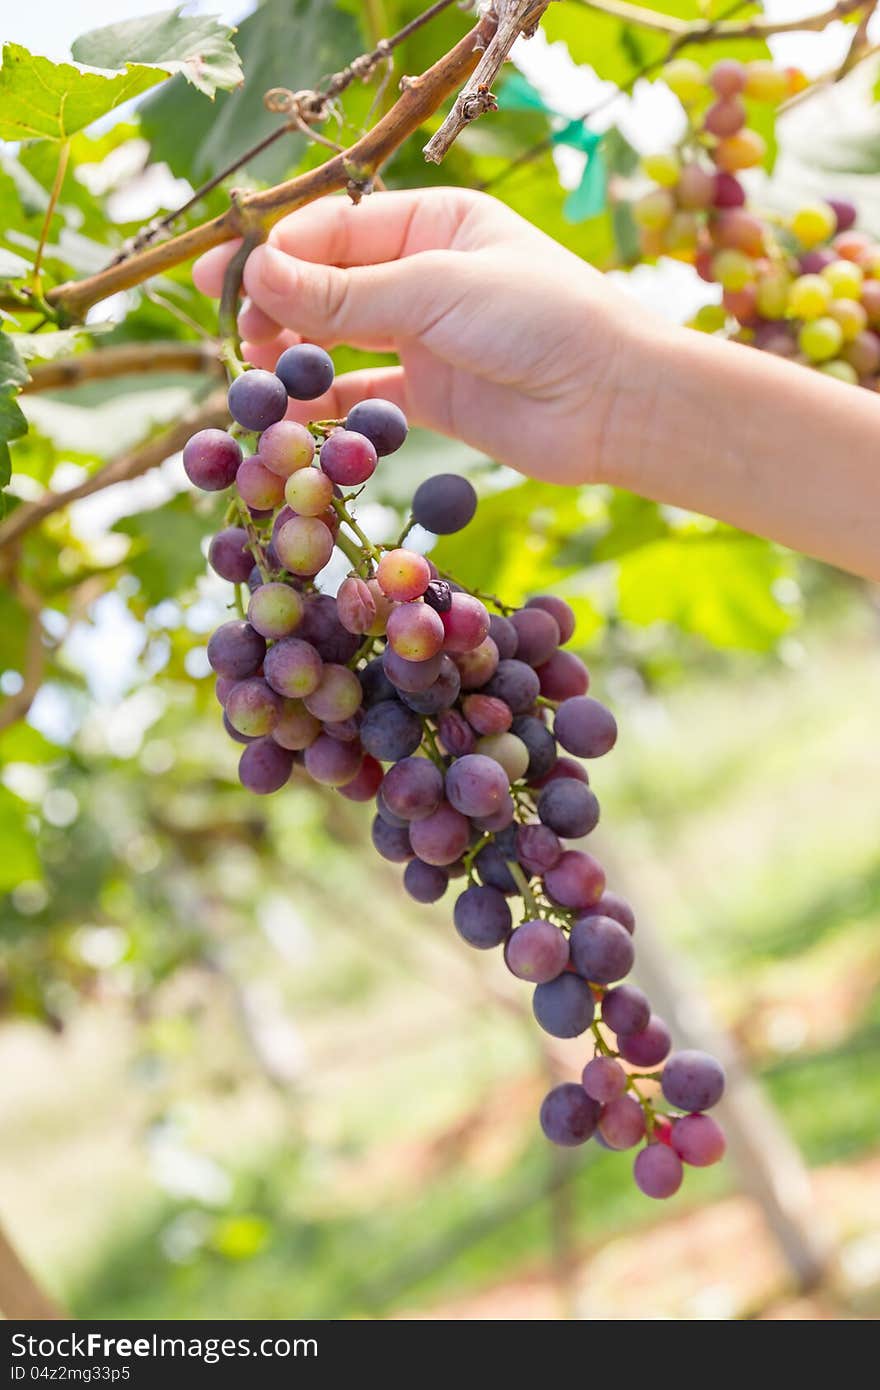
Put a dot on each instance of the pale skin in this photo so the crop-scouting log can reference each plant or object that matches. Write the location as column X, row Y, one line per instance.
column 511, row 343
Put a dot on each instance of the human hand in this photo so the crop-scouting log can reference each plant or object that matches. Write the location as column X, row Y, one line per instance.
column 506, row 340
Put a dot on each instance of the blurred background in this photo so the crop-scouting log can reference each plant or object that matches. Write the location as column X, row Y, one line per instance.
column 243, row 1075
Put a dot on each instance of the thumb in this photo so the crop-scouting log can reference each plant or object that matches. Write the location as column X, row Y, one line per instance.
column 361, row 305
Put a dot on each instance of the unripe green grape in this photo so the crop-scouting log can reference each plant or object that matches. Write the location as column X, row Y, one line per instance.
column 686, row 79
column 821, row 339
column 681, row 236
column 509, row 751
column 654, row 210
column 841, row 370
column 772, row 291
column 709, row 318
column 764, row 82
column 733, row 269
column 304, row 545
column 663, row 168
column 809, row 297
column 813, row 223
column 308, row 491
column 845, row 279
column 850, row 315
column 741, row 151
column 275, row 610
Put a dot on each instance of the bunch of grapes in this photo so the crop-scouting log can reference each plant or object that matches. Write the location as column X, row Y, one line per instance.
column 405, row 690
column 805, row 287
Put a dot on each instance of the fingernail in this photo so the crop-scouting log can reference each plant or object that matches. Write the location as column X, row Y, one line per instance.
column 275, row 270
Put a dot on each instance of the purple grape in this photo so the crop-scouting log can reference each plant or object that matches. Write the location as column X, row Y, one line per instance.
column 564, row 1007
column 604, row 1079
column 626, row 1010
column 558, row 610
column 332, row 763
column 537, row 848
column 234, row 733
column 648, row 1047
column 425, row 882
column 253, row 708
column 584, row 727
column 390, row 731
column 304, row 545
column 257, row 399
column 383, row 423
column 211, row 459
column 385, row 812
column 293, row 667
column 365, row 783
column 265, row 766
column 413, row 677
column 491, row 864
column 345, row 730
column 693, row 1080
column 698, row 1140
column 482, row 917
column 568, row 1115
column 391, row 841
column 564, row 767
column 537, row 635
column 375, row 684
column 349, row 459
column 577, row 880
column 622, row 1123
column 465, row 623
column 601, row 949
column 236, row 650
column 658, row 1171
column 305, row 371
column 563, row 677
column 413, row 788
column 336, row 697
column 456, row 734
column 476, row 785
column 503, row 634
column 296, row 728
column 844, row 211
column 537, row 951
column 254, row 579
column 275, row 610
column 444, row 504
column 438, row 595
column 612, row 905
column 477, row 666
column 516, row 684
column 440, row 695
column 569, row 808
column 540, row 743
column 229, row 555
column 500, row 819
column 442, row 837
column 486, row 714
column 222, row 687
column 321, row 627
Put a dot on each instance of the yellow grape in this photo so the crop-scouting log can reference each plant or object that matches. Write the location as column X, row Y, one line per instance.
column 841, row 370
column 664, row 169
column 680, row 237
column 812, row 223
column 686, row 79
column 851, row 316
column 654, row 210
column 740, row 151
column 764, row 82
column 845, row 279
column 821, row 339
column 772, row 293
column 809, row 297
column 709, row 318
column 733, row 270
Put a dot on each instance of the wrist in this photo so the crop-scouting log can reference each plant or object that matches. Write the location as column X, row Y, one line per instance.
column 644, row 418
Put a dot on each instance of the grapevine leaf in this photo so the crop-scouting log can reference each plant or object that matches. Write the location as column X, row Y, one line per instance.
column 58, row 343
column 166, row 553
column 12, row 423
column 13, row 372
column 42, row 100
column 196, row 46
column 18, row 861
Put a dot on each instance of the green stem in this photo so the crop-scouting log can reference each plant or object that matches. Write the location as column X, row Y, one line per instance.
column 254, row 545
column 239, row 602
column 601, row 1044
column 474, row 851
column 548, row 704
column 364, row 651
column 410, row 523
column 345, row 515
column 430, row 741
column 57, row 184
column 522, row 884
column 348, row 548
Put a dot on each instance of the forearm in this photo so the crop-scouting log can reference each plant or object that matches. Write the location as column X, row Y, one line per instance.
column 761, row 443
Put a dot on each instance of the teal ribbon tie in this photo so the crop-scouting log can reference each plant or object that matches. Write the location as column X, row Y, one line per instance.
column 591, row 195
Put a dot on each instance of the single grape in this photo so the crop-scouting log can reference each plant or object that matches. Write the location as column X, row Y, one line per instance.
column 258, row 485
column 382, row 422
column 403, row 574
column 222, row 687
column 375, row 684
column 503, row 634
column 563, row 767
column 584, row 727
column 308, row 491
column 738, row 230
column 766, row 82
column 626, row 1010
column 236, row 651
column 537, row 634
column 390, row 731
column 813, row 223
column 508, row 750
column 438, row 594
column 698, row 1140
column 275, row 610
column 478, row 665
column 728, row 77
column 229, row 554
column 391, row 841
column 465, row 623
column 568, row 1115
column 415, row 631
column 456, row 735
column 726, row 116
column 254, row 579
column 741, row 151
column 537, row 848
column 253, row 707
column 365, row 783
column 693, row 1080
column 412, row 677
column 336, row 696
column 387, row 815
column 492, row 865
column 539, row 742
column 809, row 297
column 845, row 279
column 498, row 820
column 413, row 788
column 305, row 371
column 661, row 168
column 257, row 399
column 321, row 627
column 211, row 459
column 348, row 458
column 516, row 684
column 482, row 917
column 304, row 545
column 293, row 667
column 649, row 1046
column 295, row 728
column 569, row 808
column 653, row 210
column 863, row 353
column 346, row 730
column 537, row 951
column 265, row 766
column 233, row 732
column 577, row 880
column 425, row 882
column 476, row 785
column 728, row 191
column 332, row 763
column 286, row 446
column 563, row 676
column 658, row 1171
column 604, row 1079
column 696, row 188
column 601, row 949
column 444, row 504
column 622, row 1122
column 733, row 270
column 440, row 695
column 686, row 79
column 486, row 715
column 564, row 1006
column 613, row 905
column 849, row 316
column 845, row 213
column 442, row 837
column 821, row 339
column 355, row 605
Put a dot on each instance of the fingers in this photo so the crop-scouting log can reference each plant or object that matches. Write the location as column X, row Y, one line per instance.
column 209, row 269
column 256, row 326
column 387, row 383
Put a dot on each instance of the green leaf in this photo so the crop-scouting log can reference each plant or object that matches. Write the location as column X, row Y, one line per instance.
column 196, row 46
column 58, row 343
column 166, row 556
column 284, row 43
column 41, row 100
column 13, row 372
column 21, row 743
column 18, row 862
column 12, row 423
